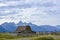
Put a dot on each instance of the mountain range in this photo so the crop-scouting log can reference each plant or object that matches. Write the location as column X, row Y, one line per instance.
column 11, row 27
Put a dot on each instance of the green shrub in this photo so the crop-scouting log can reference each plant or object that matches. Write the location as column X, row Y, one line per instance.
column 2, row 36
column 44, row 38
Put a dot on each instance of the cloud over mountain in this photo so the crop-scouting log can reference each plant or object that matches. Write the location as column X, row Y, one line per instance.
column 39, row 12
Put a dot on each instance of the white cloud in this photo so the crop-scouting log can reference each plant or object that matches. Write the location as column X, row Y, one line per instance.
column 2, row 4
column 41, row 12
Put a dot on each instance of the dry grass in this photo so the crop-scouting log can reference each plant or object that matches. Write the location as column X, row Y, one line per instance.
column 4, row 36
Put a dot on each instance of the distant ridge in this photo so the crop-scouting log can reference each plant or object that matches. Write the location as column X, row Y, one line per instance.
column 11, row 27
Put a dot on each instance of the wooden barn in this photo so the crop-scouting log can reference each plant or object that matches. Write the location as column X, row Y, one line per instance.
column 25, row 31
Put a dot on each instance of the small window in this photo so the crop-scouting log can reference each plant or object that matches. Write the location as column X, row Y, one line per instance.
column 19, row 32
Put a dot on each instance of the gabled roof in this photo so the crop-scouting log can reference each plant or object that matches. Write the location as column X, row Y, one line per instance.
column 23, row 28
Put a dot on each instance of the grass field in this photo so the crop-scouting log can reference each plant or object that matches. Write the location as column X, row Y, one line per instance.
column 5, row 36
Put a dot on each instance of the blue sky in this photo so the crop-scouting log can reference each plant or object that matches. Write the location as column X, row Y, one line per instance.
column 39, row 12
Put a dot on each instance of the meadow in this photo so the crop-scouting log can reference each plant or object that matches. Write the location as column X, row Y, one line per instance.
column 5, row 36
